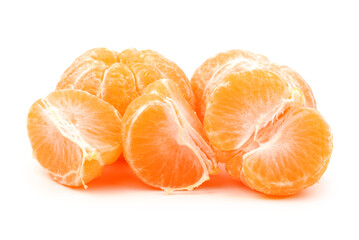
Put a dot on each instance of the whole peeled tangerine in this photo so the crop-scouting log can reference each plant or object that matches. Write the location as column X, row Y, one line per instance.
column 262, row 120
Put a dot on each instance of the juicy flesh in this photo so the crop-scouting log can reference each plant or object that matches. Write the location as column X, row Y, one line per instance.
column 289, row 154
column 212, row 71
column 275, row 144
column 248, row 99
column 119, row 78
column 162, row 140
column 73, row 135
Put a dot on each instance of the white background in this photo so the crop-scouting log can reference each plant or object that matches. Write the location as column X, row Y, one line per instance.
column 40, row 39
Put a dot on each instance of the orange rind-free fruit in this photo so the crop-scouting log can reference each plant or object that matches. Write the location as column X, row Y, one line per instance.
column 256, row 117
column 262, row 122
column 119, row 78
column 163, row 140
column 73, row 135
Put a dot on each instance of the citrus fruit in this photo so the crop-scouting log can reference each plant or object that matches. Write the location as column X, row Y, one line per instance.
column 73, row 134
column 118, row 78
column 163, row 139
column 274, row 142
column 207, row 76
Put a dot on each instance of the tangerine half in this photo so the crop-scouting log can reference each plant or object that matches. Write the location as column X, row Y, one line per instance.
column 73, row 135
column 163, row 139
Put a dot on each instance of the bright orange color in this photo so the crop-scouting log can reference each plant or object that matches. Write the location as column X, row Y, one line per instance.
column 163, row 140
column 206, row 77
column 73, row 134
column 118, row 78
column 261, row 119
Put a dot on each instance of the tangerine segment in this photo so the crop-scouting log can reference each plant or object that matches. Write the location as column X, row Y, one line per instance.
column 73, row 134
column 161, row 140
column 241, row 104
column 168, row 89
column 145, row 75
column 204, row 73
column 294, row 157
column 212, row 71
column 90, row 80
column 118, row 86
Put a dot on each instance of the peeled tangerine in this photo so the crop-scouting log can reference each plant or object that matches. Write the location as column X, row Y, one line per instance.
column 262, row 121
column 73, row 135
column 163, row 139
column 119, row 78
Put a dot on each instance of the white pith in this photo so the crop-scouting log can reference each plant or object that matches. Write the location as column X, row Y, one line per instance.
column 100, row 93
column 69, row 131
column 289, row 185
column 295, row 99
column 184, row 134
